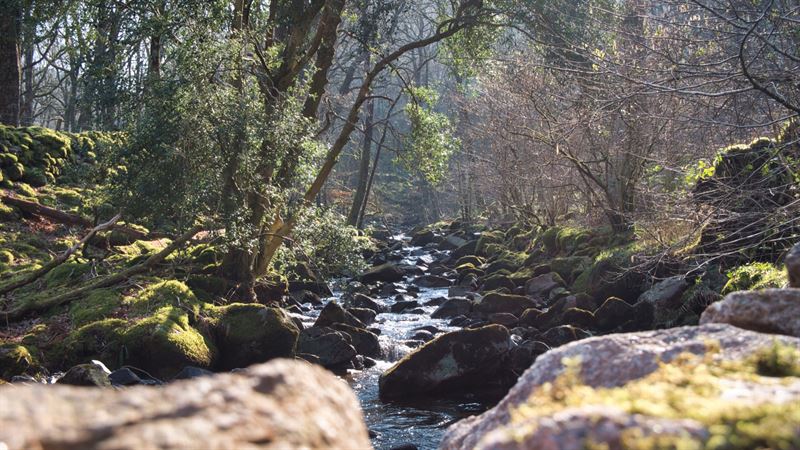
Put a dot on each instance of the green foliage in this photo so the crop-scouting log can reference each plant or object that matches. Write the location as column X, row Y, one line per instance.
column 431, row 141
column 323, row 238
column 754, row 276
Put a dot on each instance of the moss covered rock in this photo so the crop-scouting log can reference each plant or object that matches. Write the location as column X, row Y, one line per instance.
column 708, row 387
column 165, row 342
column 247, row 334
column 16, row 360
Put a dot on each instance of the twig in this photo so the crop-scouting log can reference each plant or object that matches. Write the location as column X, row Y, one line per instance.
column 60, row 259
column 24, row 310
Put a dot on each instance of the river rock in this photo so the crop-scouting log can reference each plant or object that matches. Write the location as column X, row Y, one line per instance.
column 333, row 313
column 457, row 306
column 422, row 238
column 364, row 341
column 451, row 242
column 330, row 347
column 90, row 374
column 363, row 301
column 454, row 360
column 495, row 302
column 605, row 361
column 542, row 285
column 768, row 311
column 505, row 319
column 402, row 306
column 432, row 281
column 384, row 273
column 306, row 297
column 366, row 316
column 563, row 334
column 281, row 404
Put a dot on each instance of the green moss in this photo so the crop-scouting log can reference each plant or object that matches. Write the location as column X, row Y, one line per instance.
column 15, row 360
column 166, row 293
column 779, row 360
column 754, row 276
column 567, row 266
column 569, row 239
column 6, row 257
column 8, row 214
column 96, row 306
column 24, row 189
column 101, row 340
column 489, row 239
column 689, row 387
column 165, row 342
column 609, row 275
column 67, row 272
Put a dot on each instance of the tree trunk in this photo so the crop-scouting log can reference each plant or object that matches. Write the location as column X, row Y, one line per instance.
column 10, row 70
column 363, row 167
column 26, row 113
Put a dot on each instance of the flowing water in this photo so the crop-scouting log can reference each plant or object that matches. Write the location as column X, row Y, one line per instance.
column 420, row 421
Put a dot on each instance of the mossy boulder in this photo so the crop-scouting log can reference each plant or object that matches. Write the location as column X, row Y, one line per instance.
column 612, row 275
column 165, row 342
column 16, row 360
column 247, row 334
column 101, row 340
column 489, row 243
column 650, row 390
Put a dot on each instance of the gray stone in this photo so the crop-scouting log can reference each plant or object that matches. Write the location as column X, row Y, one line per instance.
column 768, row 311
column 281, row 404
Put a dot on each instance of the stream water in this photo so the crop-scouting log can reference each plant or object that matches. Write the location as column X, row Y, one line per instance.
column 419, row 421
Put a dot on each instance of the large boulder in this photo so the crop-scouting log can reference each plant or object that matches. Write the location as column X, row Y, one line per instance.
column 452, row 307
column 250, row 333
column 454, row 360
column 387, row 273
column 496, row 302
column 364, row 341
column 608, row 377
column 281, row 404
column 768, row 311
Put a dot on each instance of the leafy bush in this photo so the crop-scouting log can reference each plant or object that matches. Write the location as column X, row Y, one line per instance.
column 323, row 238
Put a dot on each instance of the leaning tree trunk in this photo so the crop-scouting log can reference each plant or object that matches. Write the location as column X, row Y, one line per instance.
column 10, row 70
column 363, row 168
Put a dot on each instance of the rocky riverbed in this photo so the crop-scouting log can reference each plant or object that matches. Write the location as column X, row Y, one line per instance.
column 433, row 336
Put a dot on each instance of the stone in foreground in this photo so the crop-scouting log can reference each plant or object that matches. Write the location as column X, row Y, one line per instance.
column 576, row 395
column 768, row 311
column 281, row 404
column 456, row 360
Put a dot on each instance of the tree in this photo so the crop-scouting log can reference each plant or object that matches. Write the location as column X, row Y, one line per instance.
column 10, row 68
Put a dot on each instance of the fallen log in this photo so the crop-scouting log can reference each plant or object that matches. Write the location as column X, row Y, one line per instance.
column 58, row 260
column 24, row 310
column 36, row 209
